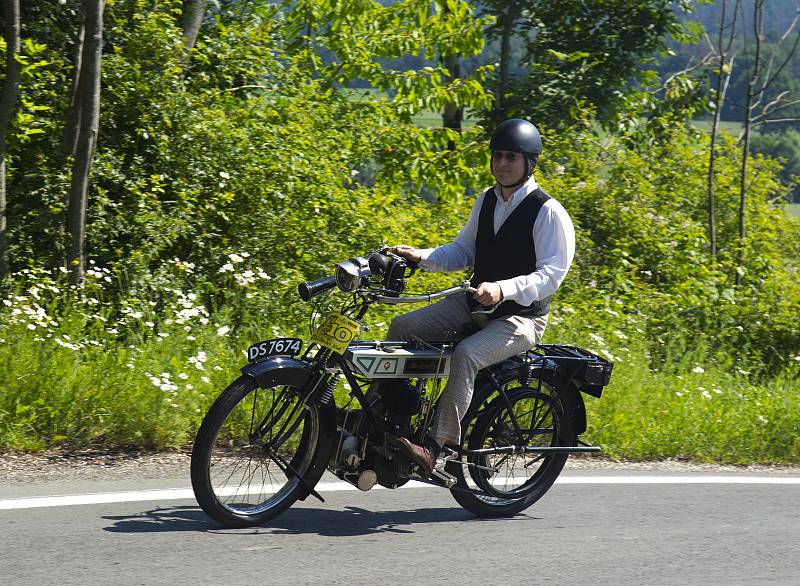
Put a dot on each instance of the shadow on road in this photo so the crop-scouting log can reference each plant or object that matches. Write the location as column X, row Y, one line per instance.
column 351, row 521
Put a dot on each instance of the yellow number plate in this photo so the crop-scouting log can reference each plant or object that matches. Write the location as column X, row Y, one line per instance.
column 335, row 332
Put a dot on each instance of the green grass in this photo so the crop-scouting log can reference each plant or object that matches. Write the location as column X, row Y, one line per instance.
column 713, row 416
column 425, row 119
column 730, row 126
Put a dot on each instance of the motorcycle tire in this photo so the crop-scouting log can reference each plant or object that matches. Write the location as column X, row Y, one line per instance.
column 258, row 450
column 535, row 415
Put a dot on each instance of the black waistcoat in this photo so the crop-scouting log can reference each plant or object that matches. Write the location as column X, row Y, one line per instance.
column 509, row 253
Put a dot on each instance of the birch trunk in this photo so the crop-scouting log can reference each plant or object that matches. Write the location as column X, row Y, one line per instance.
column 89, row 98
column 723, row 77
column 192, row 20
column 758, row 14
column 73, row 118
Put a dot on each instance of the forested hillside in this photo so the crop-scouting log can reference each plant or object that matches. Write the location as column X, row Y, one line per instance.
column 163, row 192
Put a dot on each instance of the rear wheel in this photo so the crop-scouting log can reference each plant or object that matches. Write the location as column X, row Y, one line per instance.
column 257, row 452
column 528, row 417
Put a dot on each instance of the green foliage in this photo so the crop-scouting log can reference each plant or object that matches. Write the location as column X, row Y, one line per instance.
column 584, row 54
column 642, row 249
column 784, row 146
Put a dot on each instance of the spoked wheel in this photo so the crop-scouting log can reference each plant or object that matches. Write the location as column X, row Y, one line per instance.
column 256, row 453
column 533, row 416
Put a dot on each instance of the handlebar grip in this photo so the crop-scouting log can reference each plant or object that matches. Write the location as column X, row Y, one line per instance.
column 312, row 288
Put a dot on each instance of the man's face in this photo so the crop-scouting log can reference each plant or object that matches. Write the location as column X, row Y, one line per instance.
column 508, row 168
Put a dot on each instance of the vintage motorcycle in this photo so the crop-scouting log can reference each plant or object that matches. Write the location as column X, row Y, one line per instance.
column 269, row 437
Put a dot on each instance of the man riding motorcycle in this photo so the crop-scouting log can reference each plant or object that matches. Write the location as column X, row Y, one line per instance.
column 520, row 242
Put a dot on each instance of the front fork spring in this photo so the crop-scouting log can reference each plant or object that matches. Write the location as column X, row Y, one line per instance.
column 326, row 394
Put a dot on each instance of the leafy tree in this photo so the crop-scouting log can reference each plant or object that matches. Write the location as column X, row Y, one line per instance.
column 581, row 54
column 783, row 146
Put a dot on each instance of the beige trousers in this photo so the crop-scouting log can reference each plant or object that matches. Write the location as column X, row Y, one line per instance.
column 497, row 340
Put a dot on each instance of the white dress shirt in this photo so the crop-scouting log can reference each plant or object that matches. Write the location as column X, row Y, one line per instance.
column 553, row 237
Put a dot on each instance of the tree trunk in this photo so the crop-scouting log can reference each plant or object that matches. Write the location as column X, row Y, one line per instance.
column 7, row 101
column 758, row 14
column 508, row 19
column 452, row 113
column 89, row 98
column 722, row 85
column 192, row 20
column 73, row 117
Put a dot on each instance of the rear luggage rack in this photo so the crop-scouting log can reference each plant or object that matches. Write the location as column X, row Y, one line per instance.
column 587, row 371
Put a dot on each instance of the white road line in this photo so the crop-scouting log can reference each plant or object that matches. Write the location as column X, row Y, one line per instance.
column 187, row 494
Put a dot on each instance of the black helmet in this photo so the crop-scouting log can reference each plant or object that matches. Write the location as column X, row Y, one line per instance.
column 518, row 136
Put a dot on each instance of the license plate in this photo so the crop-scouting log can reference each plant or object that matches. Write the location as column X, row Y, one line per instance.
column 274, row 347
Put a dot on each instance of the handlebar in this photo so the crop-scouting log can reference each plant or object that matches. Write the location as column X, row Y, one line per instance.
column 452, row 291
column 312, row 288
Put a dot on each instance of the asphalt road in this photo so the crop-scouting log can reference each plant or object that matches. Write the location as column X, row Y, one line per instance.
column 586, row 530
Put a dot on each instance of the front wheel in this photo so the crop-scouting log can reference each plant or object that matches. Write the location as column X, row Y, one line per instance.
column 529, row 416
column 257, row 451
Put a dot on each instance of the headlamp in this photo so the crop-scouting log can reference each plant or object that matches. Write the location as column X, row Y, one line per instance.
column 350, row 273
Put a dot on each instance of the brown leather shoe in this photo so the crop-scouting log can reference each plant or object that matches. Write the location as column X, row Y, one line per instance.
column 420, row 455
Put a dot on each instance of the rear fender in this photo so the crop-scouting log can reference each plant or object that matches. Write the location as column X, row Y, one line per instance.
column 486, row 387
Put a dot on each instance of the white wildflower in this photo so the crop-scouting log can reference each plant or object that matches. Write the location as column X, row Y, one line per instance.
column 223, row 330
column 205, row 379
column 197, row 361
column 597, row 339
column 236, row 257
column 698, row 370
column 226, row 268
column 706, row 395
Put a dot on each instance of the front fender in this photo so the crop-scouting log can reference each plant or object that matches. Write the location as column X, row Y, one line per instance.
column 265, row 371
column 296, row 373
